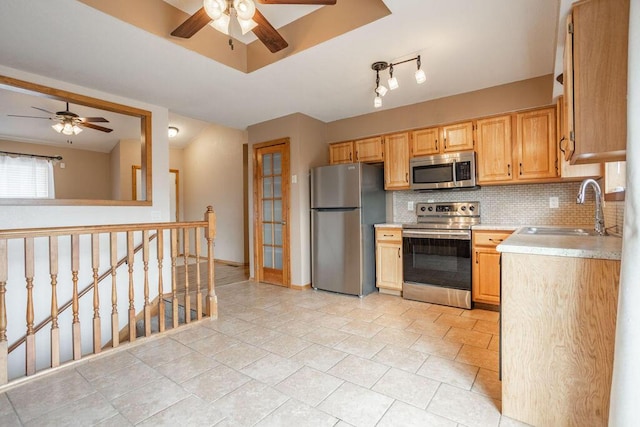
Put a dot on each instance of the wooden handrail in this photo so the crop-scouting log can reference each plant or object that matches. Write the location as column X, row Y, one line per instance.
column 83, row 292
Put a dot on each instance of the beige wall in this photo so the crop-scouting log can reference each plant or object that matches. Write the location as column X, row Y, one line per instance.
column 126, row 156
column 176, row 161
column 212, row 165
column 86, row 174
column 498, row 99
column 308, row 149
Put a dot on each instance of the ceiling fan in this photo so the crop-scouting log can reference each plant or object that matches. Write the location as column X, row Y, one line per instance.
column 69, row 123
column 249, row 17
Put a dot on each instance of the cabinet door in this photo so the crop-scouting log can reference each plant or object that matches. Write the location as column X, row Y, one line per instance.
column 396, row 162
column 424, row 142
column 389, row 266
column 369, row 150
column 536, row 144
column 486, row 276
column 457, row 137
column 341, row 152
column 567, row 87
column 494, row 149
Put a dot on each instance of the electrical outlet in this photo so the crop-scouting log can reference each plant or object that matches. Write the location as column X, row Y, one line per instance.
column 553, row 202
column 410, row 206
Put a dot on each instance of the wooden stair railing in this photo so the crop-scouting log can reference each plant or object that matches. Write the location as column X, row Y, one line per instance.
column 81, row 293
column 74, row 233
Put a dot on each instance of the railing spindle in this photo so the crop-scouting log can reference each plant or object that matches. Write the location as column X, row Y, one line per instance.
column 187, row 297
column 212, row 299
column 198, row 294
column 132, row 307
column 145, row 263
column 4, row 274
column 160, row 255
column 115, row 324
column 95, row 265
column 75, row 266
column 30, row 351
column 174, row 293
column 55, row 331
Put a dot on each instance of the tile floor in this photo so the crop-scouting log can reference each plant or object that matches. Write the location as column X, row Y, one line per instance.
column 280, row 357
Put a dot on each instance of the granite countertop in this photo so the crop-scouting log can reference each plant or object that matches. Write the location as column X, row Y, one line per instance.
column 597, row 247
column 389, row 225
column 506, row 227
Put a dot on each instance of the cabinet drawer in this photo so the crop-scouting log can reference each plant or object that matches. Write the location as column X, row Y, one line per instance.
column 388, row 234
column 492, row 238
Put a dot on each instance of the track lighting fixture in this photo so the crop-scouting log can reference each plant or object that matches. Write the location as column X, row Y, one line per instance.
column 381, row 90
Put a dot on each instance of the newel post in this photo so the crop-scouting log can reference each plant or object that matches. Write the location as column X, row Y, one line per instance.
column 210, row 234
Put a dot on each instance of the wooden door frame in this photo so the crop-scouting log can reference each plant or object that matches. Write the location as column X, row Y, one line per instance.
column 257, row 229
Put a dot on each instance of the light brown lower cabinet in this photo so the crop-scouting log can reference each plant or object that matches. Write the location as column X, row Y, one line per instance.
column 389, row 260
column 557, row 337
column 486, row 266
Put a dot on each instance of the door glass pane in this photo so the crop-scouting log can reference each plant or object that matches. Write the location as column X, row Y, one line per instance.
column 277, row 164
column 277, row 210
column 277, row 234
column 277, row 186
column 266, row 164
column 278, row 258
column 267, row 234
column 267, row 186
column 267, row 210
column 268, row 257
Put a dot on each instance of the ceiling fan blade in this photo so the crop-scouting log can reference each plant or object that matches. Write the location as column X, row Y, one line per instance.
column 267, row 34
column 96, row 127
column 29, row 117
column 94, row 119
column 46, row 111
column 311, row 2
column 192, row 25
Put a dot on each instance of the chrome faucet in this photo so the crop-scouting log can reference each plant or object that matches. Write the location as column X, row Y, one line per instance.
column 599, row 226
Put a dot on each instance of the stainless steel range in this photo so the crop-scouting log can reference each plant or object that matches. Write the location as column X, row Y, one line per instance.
column 437, row 253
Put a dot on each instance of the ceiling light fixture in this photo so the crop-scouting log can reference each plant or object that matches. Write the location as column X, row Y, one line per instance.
column 381, row 90
column 221, row 12
column 173, row 131
column 67, row 127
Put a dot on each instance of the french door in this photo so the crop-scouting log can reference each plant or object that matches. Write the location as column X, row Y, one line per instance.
column 271, row 207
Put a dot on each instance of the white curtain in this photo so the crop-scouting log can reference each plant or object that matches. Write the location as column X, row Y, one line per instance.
column 26, row 177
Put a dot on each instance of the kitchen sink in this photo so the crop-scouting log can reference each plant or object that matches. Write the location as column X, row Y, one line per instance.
column 557, row 231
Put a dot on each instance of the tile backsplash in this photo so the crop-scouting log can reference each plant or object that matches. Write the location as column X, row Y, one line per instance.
column 526, row 204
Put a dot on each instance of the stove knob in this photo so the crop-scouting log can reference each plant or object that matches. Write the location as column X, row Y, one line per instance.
column 464, row 208
column 430, row 208
column 472, row 208
column 422, row 209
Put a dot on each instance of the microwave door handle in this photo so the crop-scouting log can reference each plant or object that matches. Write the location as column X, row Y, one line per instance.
column 455, row 178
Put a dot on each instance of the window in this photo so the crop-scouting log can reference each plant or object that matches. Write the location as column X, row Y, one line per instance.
column 26, row 177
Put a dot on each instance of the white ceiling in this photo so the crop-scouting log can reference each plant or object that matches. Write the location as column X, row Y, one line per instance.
column 465, row 45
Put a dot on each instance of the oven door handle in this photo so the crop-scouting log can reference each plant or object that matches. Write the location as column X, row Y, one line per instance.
column 438, row 234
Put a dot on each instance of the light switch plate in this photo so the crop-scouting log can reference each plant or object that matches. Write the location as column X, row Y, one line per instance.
column 410, row 206
column 553, row 202
column 294, row 179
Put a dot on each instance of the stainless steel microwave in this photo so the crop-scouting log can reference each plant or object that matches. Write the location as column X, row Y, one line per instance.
column 444, row 171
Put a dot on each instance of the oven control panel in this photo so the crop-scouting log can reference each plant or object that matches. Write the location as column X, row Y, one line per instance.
column 448, row 209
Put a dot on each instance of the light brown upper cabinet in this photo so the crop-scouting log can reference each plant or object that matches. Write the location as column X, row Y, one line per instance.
column 425, row 142
column 528, row 156
column 535, row 146
column 494, row 149
column 568, row 171
column 457, row 137
column 595, row 80
column 369, row 150
column 341, row 152
column 396, row 161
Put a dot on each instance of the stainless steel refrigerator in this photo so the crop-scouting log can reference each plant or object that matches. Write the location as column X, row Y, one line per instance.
column 346, row 201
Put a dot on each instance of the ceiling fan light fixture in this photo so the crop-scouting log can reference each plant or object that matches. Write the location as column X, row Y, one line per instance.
column 222, row 24
column 58, row 127
column 244, row 8
column 76, row 129
column 247, row 25
column 215, row 8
